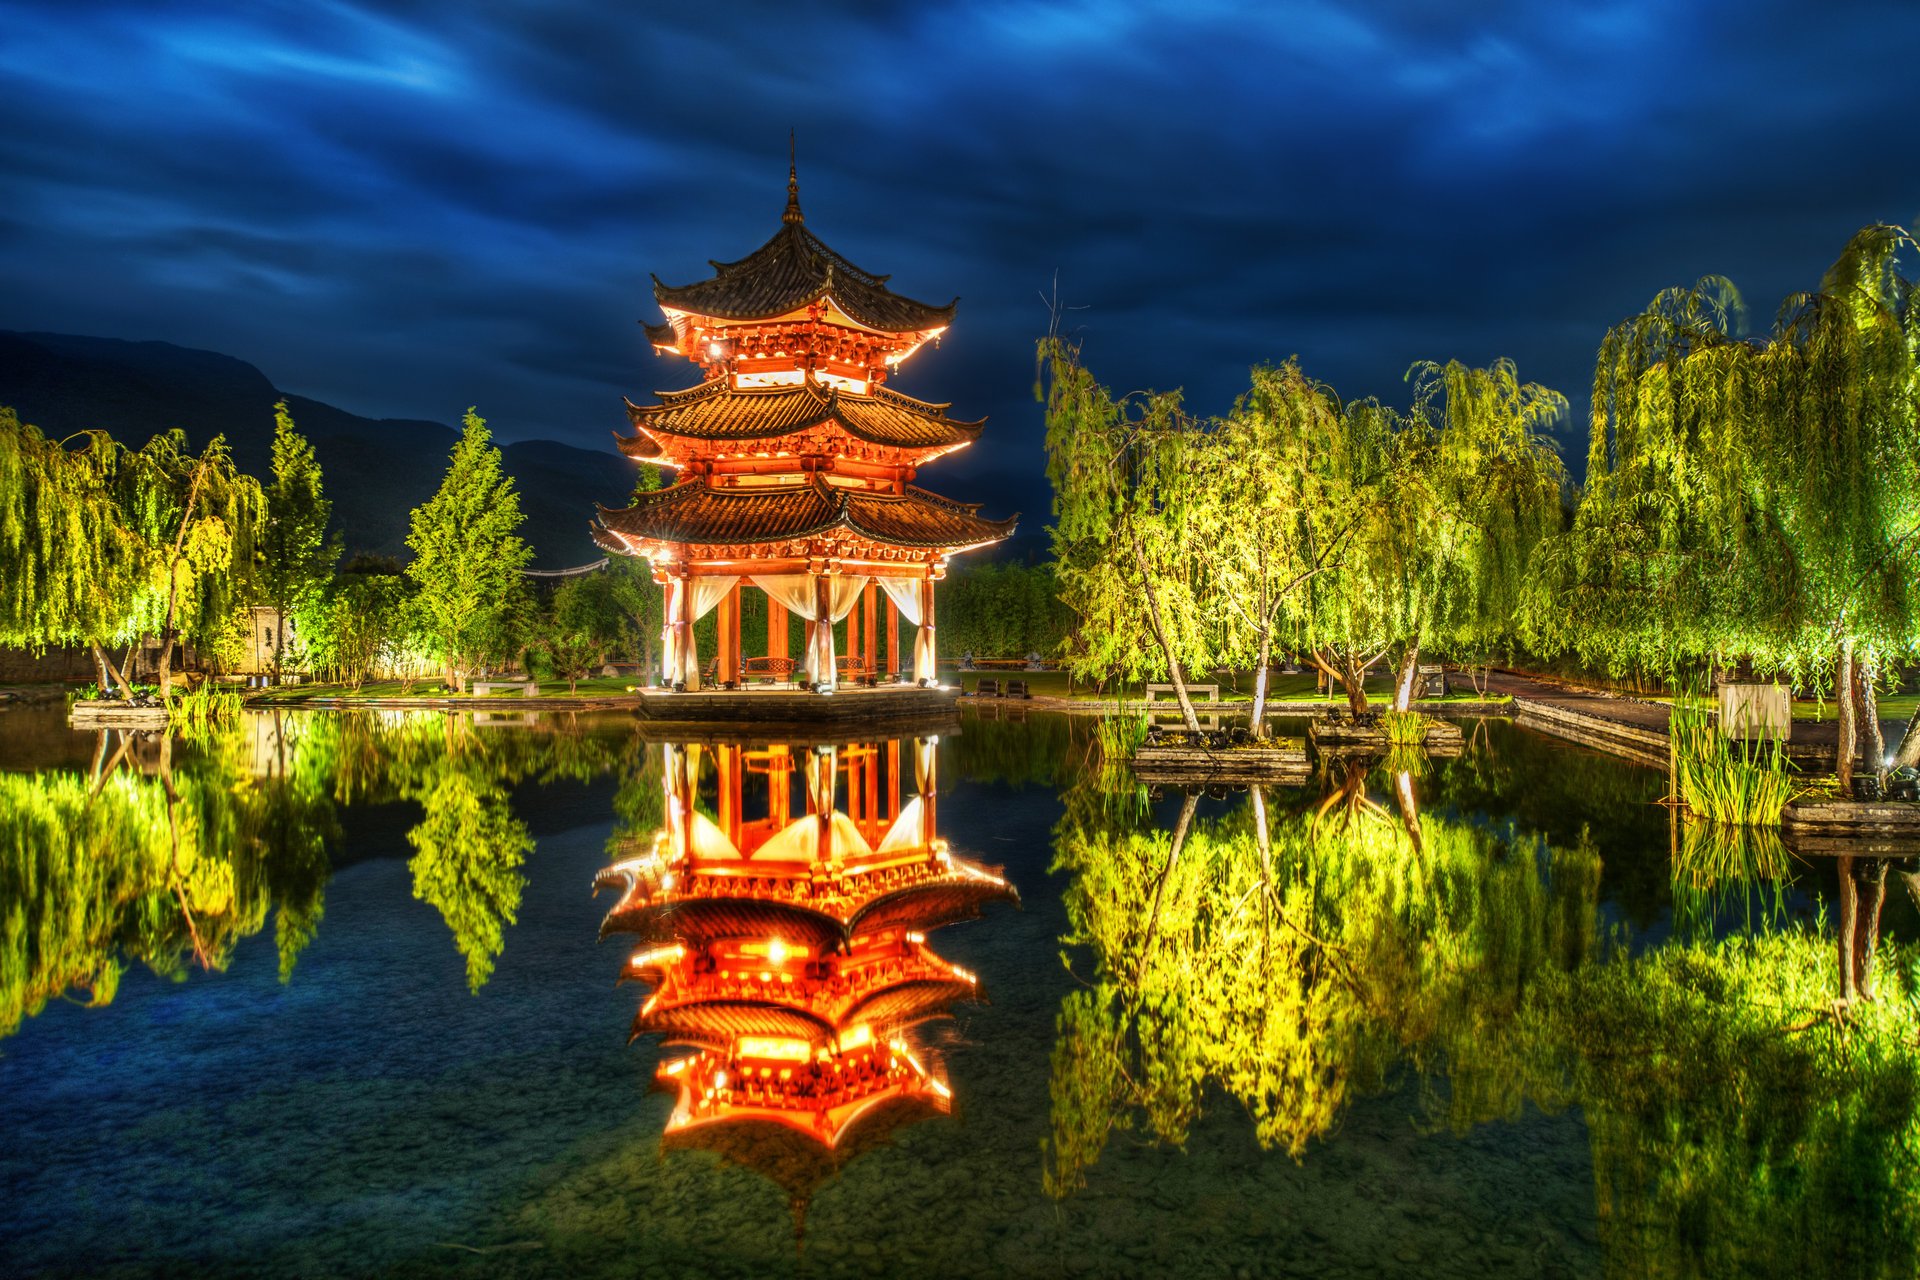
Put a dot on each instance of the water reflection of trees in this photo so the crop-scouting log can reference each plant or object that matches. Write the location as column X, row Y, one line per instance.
column 168, row 853
column 1752, row 1102
column 1290, row 957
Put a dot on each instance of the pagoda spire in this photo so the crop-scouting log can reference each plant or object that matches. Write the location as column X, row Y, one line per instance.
column 792, row 215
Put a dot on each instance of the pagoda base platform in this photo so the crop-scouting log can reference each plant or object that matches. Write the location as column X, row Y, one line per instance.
column 846, row 706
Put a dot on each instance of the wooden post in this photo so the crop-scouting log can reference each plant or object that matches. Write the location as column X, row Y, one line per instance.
column 868, row 622
column 925, row 652
column 853, row 634
column 776, row 628
column 820, row 661
column 728, row 637
column 893, row 637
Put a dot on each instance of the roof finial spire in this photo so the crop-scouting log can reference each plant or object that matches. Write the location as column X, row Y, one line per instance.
column 793, row 185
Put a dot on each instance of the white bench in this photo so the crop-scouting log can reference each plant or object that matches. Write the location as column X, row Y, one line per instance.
column 1212, row 692
column 486, row 688
column 1169, row 704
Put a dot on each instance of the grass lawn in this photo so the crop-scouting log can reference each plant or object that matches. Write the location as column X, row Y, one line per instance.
column 1893, row 706
column 294, row 695
column 1295, row 688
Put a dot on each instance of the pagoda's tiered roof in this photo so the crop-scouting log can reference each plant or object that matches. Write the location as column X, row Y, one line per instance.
column 692, row 512
column 707, row 996
column 825, row 913
column 717, row 411
column 794, row 270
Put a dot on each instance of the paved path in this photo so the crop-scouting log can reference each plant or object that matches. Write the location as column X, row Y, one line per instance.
column 1809, row 739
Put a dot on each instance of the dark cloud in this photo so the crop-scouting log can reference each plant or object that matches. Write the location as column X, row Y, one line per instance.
column 408, row 208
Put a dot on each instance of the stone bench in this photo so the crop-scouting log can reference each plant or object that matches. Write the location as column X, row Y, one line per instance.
column 487, row 688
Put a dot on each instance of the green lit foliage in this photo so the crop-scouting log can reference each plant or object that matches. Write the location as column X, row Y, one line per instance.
column 622, row 608
column 170, row 872
column 572, row 632
column 1001, row 611
column 1283, row 495
column 1124, row 485
column 296, row 556
column 468, row 852
column 1740, row 1124
column 365, row 623
column 1755, row 498
column 104, row 544
column 1292, row 967
column 1744, row 783
column 469, row 592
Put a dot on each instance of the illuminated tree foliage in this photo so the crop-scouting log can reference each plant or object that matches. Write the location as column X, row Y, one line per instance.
column 1757, row 498
column 1291, row 967
column 1124, row 486
column 296, row 556
column 469, row 848
column 105, row 545
column 169, row 872
column 467, row 558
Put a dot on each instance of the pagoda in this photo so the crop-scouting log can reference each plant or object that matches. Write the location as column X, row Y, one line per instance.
column 788, row 950
column 795, row 466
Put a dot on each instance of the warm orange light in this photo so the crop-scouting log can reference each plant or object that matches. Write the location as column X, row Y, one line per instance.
column 776, row 1048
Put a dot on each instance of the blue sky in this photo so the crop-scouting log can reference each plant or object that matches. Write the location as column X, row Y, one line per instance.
column 408, row 208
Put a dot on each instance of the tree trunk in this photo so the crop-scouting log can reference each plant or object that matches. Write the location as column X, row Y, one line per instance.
column 1907, row 755
column 1259, row 713
column 1843, row 700
column 1868, row 700
column 173, row 584
column 1165, row 642
column 1409, row 675
column 1180, row 828
column 110, row 675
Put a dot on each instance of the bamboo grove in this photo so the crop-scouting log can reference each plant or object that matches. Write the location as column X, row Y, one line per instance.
column 1750, row 498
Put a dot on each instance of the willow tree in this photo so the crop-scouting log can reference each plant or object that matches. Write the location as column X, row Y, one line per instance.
column 1349, row 617
column 106, row 545
column 468, row 556
column 296, row 556
column 1125, row 485
column 1292, row 963
column 71, row 562
column 1278, row 507
column 1754, row 498
column 1495, row 488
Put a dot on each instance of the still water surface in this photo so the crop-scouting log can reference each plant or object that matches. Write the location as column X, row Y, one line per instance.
column 335, row 995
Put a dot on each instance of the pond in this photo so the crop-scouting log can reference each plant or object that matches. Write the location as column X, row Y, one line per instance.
column 353, row 993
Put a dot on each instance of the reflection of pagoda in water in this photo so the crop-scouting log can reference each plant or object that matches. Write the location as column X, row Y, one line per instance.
column 788, row 949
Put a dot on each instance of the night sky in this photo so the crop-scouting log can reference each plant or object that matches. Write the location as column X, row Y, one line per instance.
column 406, row 209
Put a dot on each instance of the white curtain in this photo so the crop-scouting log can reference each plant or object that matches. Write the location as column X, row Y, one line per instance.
column 905, row 594
column 794, row 590
column 706, row 594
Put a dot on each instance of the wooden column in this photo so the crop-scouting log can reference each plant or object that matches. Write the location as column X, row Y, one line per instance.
column 853, row 634
column 925, row 651
column 893, row 637
column 820, row 661
column 869, row 621
column 728, row 637
column 776, row 628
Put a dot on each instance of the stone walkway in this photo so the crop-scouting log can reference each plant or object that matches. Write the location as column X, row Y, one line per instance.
column 1599, row 718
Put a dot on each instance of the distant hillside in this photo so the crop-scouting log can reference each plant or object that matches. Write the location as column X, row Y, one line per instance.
column 377, row 470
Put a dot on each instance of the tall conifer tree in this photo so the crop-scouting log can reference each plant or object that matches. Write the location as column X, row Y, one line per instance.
column 297, row 557
column 468, row 556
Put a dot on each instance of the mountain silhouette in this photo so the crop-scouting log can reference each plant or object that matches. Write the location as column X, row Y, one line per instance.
column 376, row 470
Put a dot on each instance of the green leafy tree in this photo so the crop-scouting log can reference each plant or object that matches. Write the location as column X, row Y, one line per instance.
column 1124, row 486
column 296, row 556
column 573, row 632
column 469, row 591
